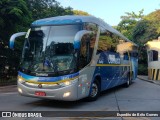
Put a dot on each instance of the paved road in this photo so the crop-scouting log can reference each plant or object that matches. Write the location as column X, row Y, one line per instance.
column 140, row 96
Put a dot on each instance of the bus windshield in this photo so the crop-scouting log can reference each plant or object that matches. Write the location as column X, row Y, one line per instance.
column 50, row 49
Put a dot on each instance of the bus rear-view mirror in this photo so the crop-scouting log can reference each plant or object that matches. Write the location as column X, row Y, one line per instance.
column 13, row 37
column 79, row 36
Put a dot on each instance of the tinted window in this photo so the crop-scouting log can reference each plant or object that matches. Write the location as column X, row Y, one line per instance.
column 107, row 41
column 91, row 27
column 153, row 55
column 86, row 50
column 111, row 42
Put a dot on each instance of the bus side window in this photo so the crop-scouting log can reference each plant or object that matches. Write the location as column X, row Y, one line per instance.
column 91, row 27
column 107, row 41
column 103, row 44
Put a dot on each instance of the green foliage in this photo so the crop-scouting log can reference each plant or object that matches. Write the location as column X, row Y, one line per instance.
column 14, row 16
column 47, row 8
column 140, row 29
column 154, row 17
column 144, row 31
column 126, row 27
column 147, row 29
column 128, row 23
column 104, row 41
column 142, row 58
column 79, row 12
column 133, row 15
column 142, row 69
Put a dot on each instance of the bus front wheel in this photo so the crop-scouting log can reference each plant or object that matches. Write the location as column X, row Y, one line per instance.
column 95, row 91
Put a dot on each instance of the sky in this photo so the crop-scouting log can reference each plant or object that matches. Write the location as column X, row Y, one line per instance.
column 111, row 10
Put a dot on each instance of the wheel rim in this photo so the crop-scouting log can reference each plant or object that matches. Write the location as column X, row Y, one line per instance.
column 128, row 81
column 94, row 90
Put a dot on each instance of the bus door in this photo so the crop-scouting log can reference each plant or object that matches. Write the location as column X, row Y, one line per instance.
column 124, row 67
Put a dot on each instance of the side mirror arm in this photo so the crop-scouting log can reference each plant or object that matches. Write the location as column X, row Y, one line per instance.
column 78, row 38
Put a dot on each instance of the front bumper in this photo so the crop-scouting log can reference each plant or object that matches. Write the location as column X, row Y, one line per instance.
column 55, row 94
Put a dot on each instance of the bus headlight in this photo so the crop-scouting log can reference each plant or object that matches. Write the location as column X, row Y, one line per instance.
column 68, row 82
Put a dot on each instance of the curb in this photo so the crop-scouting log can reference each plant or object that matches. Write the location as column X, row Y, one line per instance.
column 151, row 81
column 8, row 89
column 8, row 86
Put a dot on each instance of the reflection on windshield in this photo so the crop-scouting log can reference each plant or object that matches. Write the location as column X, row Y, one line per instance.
column 50, row 49
column 57, row 63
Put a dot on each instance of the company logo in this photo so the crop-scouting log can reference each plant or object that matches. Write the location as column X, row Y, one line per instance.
column 6, row 114
column 41, row 74
column 20, row 114
column 113, row 60
column 40, row 85
column 66, row 77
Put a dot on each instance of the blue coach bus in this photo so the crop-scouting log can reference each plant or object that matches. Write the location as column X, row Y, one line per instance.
column 73, row 57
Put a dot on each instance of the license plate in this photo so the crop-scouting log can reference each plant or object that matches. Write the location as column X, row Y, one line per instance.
column 39, row 93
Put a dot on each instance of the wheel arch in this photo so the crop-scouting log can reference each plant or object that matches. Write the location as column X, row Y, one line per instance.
column 98, row 78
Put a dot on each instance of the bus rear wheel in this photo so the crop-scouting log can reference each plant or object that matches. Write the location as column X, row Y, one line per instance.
column 95, row 91
column 127, row 84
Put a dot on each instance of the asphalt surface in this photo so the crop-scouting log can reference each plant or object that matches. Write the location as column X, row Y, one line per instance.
column 141, row 96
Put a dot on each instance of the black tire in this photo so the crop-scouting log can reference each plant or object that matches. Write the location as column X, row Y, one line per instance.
column 131, row 79
column 95, row 91
column 127, row 84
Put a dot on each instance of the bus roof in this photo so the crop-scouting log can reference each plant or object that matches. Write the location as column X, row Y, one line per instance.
column 75, row 19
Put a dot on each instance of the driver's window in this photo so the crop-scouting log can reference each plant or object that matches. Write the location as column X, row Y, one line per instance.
column 83, row 52
column 86, row 49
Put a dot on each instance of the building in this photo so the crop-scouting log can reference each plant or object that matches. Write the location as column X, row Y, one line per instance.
column 153, row 52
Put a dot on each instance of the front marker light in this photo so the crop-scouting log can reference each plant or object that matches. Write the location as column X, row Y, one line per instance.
column 69, row 82
column 21, row 80
column 19, row 90
column 66, row 94
column 66, row 83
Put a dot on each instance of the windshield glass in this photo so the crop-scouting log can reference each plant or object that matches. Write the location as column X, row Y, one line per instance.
column 50, row 49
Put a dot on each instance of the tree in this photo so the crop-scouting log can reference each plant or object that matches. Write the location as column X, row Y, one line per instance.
column 144, row 31
column 79, row 12
column 133, row 15
column 128, row 22
column 14, row 16
column 47, row 8
column 154, row 17
column 126, row 27
column 147, row 29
